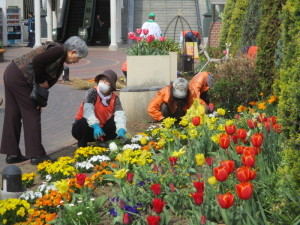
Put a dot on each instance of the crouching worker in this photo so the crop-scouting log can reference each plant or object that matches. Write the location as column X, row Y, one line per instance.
column 171, row 101
column 199, row 86
column 100, row 116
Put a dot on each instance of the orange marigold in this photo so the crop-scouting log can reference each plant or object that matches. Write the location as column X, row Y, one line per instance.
column 262, row 105
column 241, row 108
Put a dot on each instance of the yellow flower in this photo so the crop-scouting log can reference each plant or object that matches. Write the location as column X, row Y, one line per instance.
column 200, row 159
column 261, row 105
column 229, row 122
column 221, row 127
column 143, row 140
column 62, row 186
column 161, row 142
column 180, row 152
column 4, row 221
column 120, row 173
column 168, row 122
column 221, row 112
column 141, row 161
column 21, row 212
column 212, row 180
column 193, row 133
column 184, row 121
column 216, row 138
column 261, row 94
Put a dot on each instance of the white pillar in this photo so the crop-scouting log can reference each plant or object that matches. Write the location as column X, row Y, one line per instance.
column 113, row 26
column 54, row 19
column 4, row 22
column 119, row 21
column 37, row 20
column 49, row 20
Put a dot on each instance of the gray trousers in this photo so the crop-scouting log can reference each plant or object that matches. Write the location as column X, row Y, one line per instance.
column 20, row 109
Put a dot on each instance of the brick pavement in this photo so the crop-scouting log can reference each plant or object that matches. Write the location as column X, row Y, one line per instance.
column 58, row 116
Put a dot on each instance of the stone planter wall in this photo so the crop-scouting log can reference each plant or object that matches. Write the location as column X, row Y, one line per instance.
column 145, row 76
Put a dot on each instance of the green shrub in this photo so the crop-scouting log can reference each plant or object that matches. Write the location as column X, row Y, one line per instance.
column 251, row 23
column 267, row 39
column 236, row 25
column 226, row 19
column 235, row 84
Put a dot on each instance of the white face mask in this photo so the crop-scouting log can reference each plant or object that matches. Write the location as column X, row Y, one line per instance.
column 104, row 88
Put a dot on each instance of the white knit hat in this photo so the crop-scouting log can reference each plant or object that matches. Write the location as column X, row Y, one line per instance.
column 180, row 88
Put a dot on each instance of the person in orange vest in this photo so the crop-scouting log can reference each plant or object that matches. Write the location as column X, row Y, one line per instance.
column 100, row 116
column 171, row 101
column 124, row 69
column 199, row 86
column 252, row 52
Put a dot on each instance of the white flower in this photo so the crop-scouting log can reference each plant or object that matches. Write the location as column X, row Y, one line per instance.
column 113, row 147
column 71, row 205
column 92, row 199
column 87, row 165
column 79, row 213
column 48, row 178
column 131, row 146
column 99, row 158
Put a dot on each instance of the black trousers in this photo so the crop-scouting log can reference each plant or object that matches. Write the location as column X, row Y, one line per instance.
column 19, row 108
column 165, row 109
column 31, row 39
column 82, row 132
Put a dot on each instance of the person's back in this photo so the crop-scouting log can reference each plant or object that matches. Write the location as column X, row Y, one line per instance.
column 199, row 85
column 152, row 27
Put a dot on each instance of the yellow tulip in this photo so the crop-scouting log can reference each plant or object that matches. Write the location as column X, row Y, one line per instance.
column 179, row 153
column 143, row 140
column 141, row 161
column 120, row 173
column 193, row 133
column 161, row 143
column 184, row 121
column 200, row 159
column 216, row 138
column 212, row 180
column 62, row 186
column 221, row 112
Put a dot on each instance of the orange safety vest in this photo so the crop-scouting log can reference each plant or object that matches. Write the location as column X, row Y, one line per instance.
column 163, row 96
column 198, row 85
column 252, row 52
column 103, row 113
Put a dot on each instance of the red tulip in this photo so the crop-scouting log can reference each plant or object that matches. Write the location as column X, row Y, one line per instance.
column 129, row 177
column 138, row 39
column 257, row 139
column 173, row 160
column 208, row 161
column 198, row 198
column 221, row 173
column 241, row 133
column 153, row 220
column 199, row 186
column 226, row 200
column 196, row 120
column 156, row 189
column 251, row 150
column 224, row 141
column 172, row 187
column 229, row 165
column 145, row 31
column 261, row 118
column 80, row 177
column 138, row 31
column 244, row 190
column 126, row 218
column 234, row 138
column 158, row 205
column 239, row 149
column 251, row 123
column 237, row 116
column 203, row 220
column 244, row 174
column 150, row 38
column 267, row 126
column 162, row 39
column 248, row 159
column 131, row 35
column 277, row 128
column 272, row 119
column 230, row 129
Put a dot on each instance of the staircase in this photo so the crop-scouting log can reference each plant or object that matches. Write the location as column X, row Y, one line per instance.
column 166, row 11
column 75, row 18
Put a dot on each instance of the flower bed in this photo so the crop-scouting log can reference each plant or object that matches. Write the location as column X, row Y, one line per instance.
column 204, row 169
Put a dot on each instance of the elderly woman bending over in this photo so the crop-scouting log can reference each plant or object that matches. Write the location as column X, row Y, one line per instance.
column 43, row 65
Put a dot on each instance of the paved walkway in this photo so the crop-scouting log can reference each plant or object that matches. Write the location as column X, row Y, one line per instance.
column 58, row 116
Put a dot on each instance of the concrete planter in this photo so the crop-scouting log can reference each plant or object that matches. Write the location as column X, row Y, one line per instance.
column 145, row 76
column 151, row 70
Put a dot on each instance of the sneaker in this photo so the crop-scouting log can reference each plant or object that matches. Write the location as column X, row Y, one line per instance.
column 40, row 159
column 11, row 159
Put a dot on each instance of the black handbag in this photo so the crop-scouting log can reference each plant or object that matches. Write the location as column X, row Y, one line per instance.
column 39, row 95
